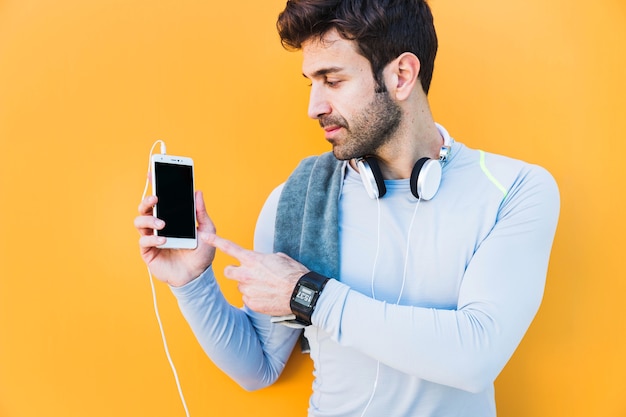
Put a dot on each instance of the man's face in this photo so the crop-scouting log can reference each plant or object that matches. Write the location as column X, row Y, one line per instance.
column 356, row 120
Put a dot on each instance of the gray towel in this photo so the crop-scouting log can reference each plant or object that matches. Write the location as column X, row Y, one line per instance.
column 307, row 216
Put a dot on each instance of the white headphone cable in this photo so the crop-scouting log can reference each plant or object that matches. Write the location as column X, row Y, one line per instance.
column 406, row 254
column 404, row 274
column 375, row 387
column 154, row 298
column 377, row 248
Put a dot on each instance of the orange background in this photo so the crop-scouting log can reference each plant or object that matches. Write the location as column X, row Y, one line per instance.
column 86, row 87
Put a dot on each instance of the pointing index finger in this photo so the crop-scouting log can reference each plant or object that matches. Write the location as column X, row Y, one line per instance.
column 228, row 247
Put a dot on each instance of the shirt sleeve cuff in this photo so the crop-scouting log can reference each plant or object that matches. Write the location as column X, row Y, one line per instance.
column 197, row 286
column 329, row 308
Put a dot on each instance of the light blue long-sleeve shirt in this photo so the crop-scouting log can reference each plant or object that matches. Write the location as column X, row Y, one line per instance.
column 415, row 325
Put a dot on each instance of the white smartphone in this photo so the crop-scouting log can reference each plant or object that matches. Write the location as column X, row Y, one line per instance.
column 173, row 184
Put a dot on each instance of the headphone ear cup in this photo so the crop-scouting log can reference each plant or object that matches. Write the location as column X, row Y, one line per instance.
column 372, row 177
column 425, row 178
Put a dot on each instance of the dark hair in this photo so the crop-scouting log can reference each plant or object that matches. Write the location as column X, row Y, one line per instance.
column 382, row 29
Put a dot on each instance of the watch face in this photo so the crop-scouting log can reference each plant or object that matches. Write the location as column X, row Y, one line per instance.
column 304, row 296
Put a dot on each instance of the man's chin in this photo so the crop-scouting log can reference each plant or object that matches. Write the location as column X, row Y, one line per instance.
column 342, row 156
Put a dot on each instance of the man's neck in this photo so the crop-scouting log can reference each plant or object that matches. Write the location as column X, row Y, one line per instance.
column 418, row 140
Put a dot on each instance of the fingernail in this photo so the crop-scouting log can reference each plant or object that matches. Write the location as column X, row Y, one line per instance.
column 159, row 223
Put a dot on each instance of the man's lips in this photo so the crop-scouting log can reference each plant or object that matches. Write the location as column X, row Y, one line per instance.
column 331, row 131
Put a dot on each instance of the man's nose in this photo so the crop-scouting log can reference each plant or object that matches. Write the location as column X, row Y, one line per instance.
column 318, row 103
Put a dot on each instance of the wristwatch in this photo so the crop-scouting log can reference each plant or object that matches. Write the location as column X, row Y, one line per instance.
column 305, row 295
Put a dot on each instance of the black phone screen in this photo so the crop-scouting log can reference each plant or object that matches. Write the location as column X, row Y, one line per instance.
column 175, row 206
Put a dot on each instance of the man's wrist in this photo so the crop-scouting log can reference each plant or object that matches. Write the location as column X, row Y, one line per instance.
column 305, row 295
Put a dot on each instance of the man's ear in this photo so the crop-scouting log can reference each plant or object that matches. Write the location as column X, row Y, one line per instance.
column 405, row 69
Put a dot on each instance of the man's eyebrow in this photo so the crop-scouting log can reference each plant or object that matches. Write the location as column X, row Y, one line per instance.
column 323, row 72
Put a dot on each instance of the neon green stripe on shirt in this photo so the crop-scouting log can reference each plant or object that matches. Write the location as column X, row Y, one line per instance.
column 489, row 175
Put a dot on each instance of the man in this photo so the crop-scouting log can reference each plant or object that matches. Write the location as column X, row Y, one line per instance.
column 435, row 279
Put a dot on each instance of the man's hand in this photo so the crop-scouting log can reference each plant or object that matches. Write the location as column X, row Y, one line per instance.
column 266, row 281
column 177, row 267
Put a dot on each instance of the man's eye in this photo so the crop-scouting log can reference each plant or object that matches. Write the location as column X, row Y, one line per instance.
column 332, row 83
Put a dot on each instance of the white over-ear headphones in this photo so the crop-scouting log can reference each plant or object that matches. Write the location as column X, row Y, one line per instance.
column 425, row 177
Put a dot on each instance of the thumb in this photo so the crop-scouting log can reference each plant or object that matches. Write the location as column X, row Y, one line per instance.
column 205, row 223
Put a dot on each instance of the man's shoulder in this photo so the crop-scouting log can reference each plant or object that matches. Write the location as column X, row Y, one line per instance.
column 477, row 167
column 498, row 163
